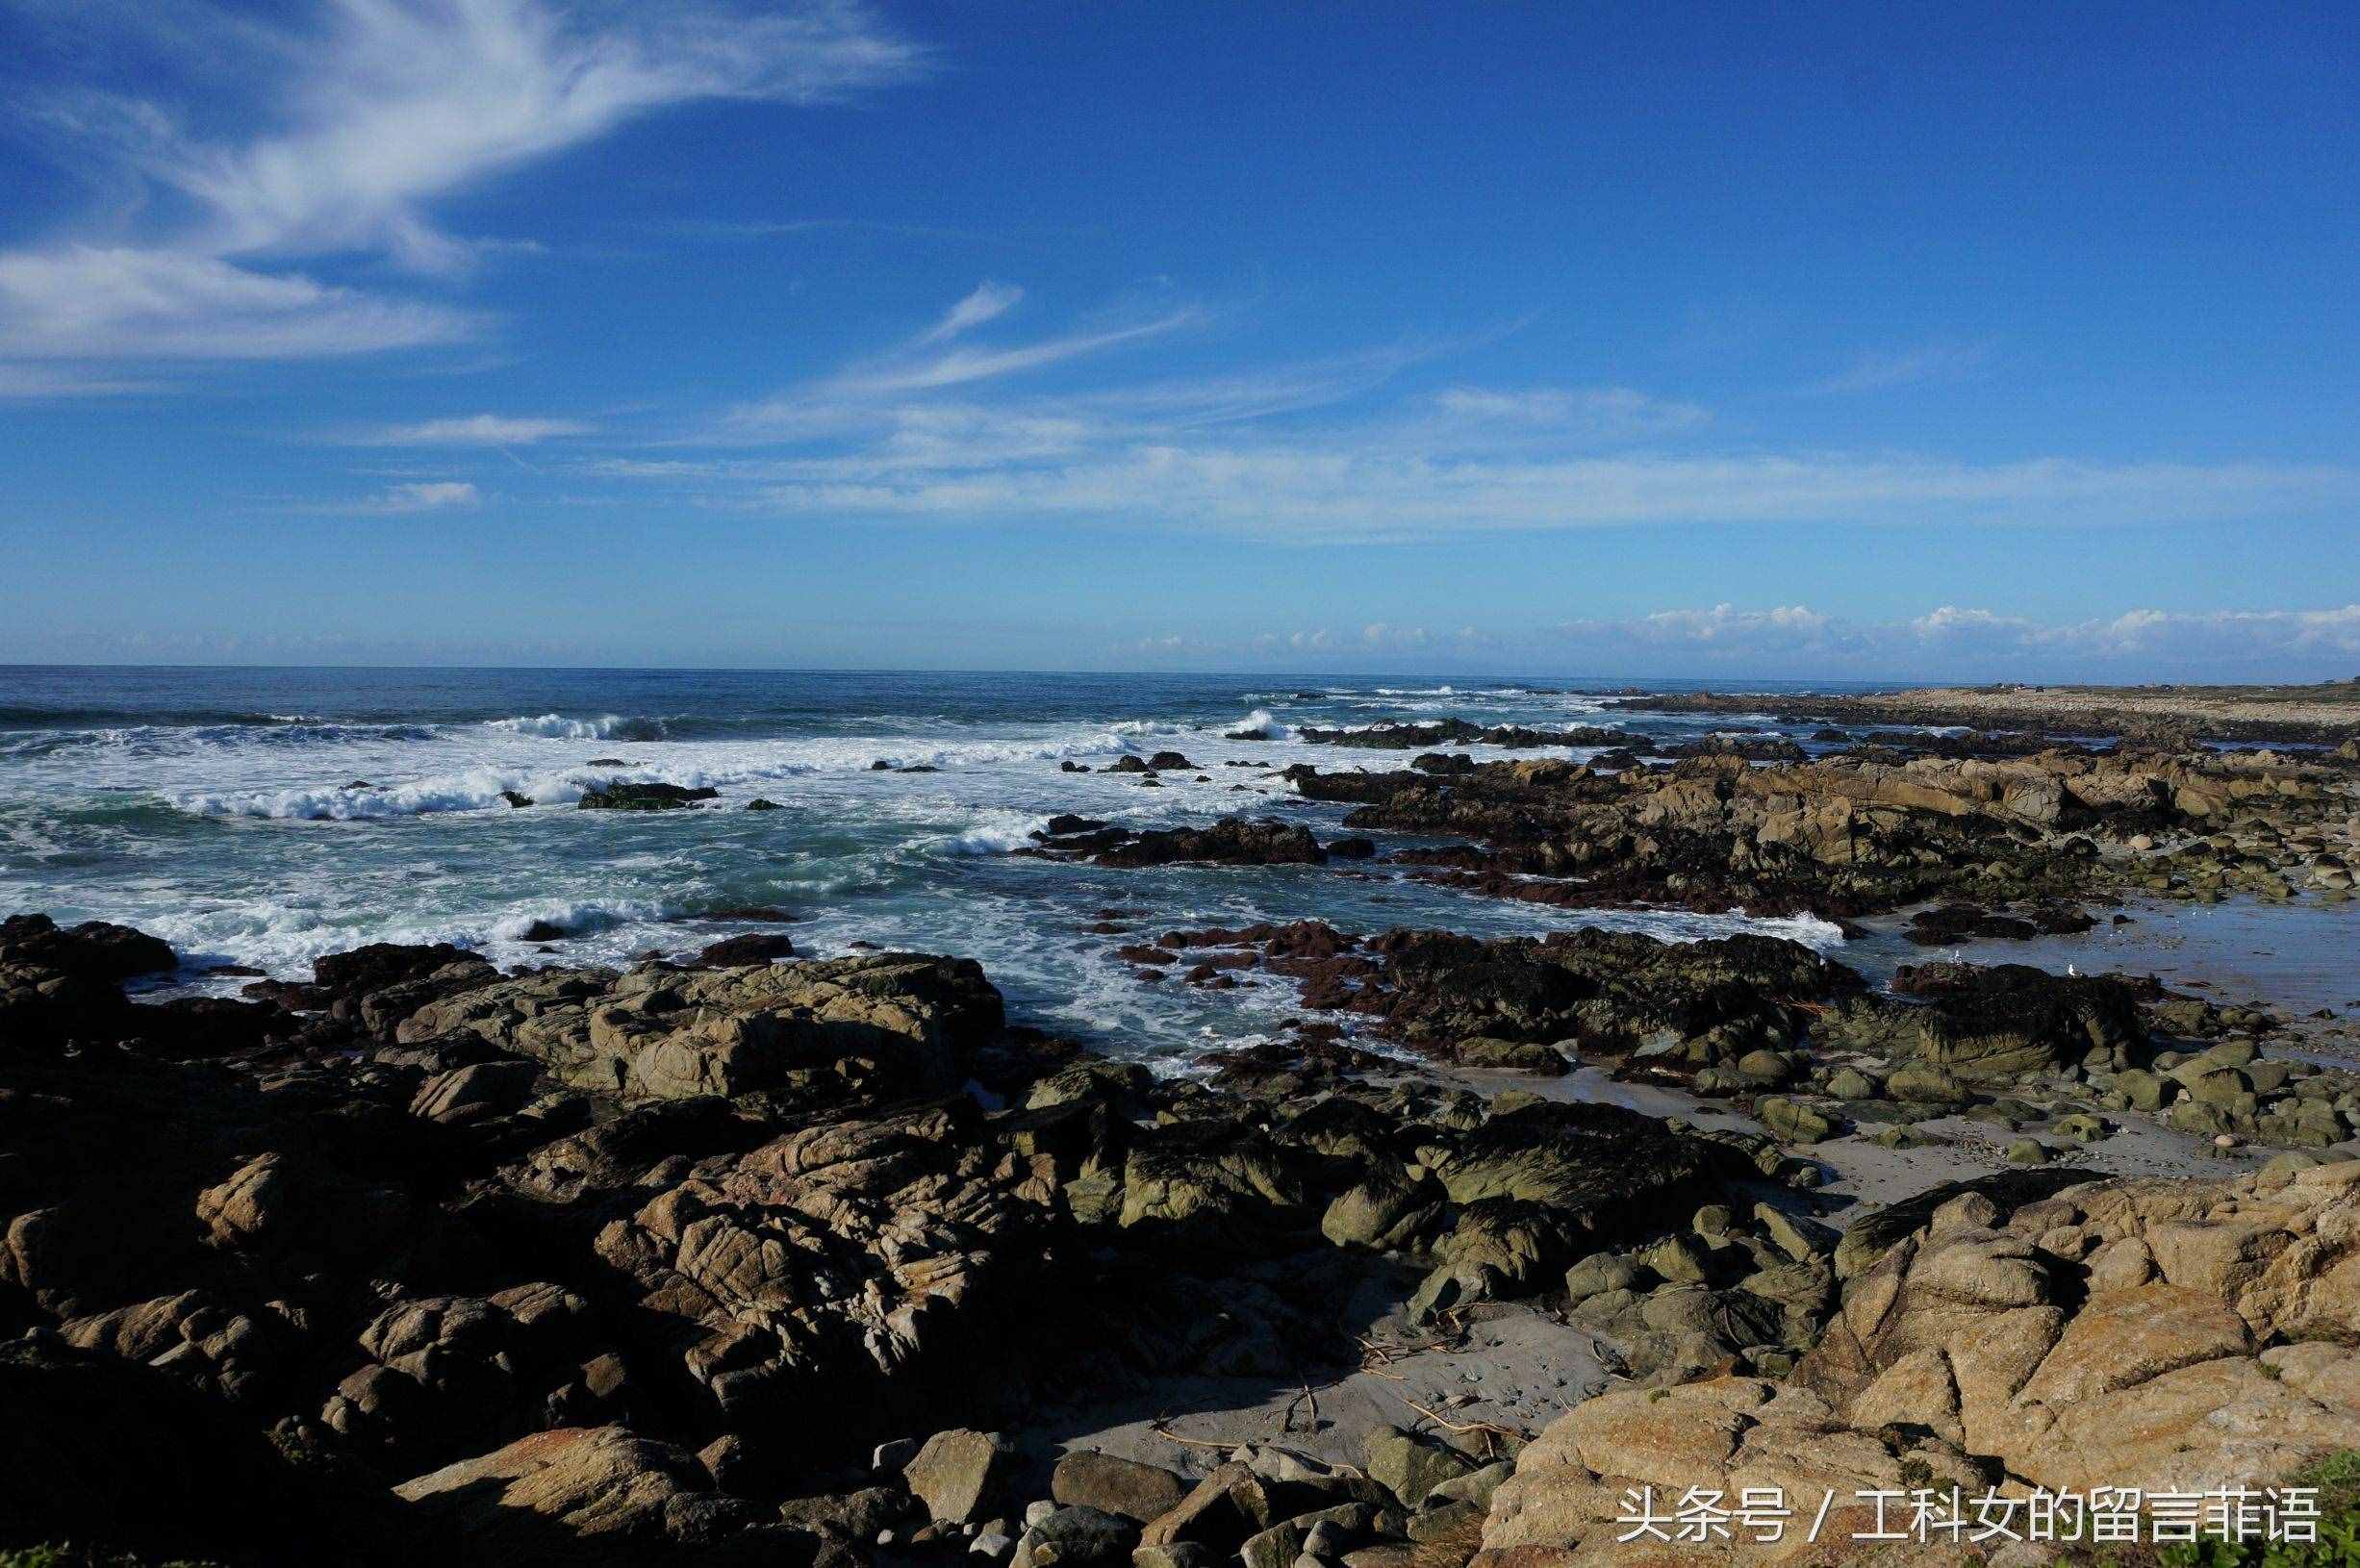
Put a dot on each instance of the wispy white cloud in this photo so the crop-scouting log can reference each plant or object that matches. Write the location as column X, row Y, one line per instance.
column 988, row 303
column 471, row 430
column 958, row 366
column 1883, row 369
column 367, row 116
column 423, row 495
column 893, row 402
column 46, row 382
column 1602, row 413
column 1348, row 488
column 1300, row 453
column 91, row 302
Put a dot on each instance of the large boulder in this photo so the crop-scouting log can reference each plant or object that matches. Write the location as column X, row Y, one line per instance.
column 445, row 1373
column 1568, row 1502
column 821, row 1027
column 63, row 985
column 958, row 1476
column 2168, row 1333
column 93, row 951
column 590, row 1494
column 1232, row 841
column 1116, row 1485
column 859, row 1268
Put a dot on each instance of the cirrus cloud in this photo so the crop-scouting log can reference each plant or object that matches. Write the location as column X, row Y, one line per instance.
column 358, row 121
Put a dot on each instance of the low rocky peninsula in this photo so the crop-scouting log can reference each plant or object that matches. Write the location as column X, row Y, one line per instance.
column 742, row 1255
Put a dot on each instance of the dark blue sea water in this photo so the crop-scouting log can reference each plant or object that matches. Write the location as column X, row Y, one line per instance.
column 264, row 817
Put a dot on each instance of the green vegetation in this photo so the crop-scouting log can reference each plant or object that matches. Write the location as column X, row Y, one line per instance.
column 62, row 1554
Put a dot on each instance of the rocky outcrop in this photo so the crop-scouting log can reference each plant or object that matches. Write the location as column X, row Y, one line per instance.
column 2175, row 1333
column 2323, row 714
column 1669, row 1004
column 1867, row 831
column 859, row 1268
column 60, row 985
column 815, row 1030
column 600, row 1494
column 1421, row 737
column 446, row 1374
column 1232, row 841
column 1567, row 1502
column 617, row 796
column 2165, row 1335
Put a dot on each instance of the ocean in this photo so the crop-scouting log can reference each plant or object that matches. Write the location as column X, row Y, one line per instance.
column 261, row 818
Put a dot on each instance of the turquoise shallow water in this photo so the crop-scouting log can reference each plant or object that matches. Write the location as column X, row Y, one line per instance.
column 263, row 818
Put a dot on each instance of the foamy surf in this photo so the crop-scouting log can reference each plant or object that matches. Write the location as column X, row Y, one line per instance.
column 311, row 823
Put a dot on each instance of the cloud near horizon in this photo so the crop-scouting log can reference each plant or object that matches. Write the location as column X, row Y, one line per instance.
column 1796, row 639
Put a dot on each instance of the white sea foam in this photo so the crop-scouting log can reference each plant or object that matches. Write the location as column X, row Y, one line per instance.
column 574, row 918
column 558, row 728
column 277, row 863
column 996, row 834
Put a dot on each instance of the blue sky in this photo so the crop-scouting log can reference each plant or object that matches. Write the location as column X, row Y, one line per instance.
column 1652, row 339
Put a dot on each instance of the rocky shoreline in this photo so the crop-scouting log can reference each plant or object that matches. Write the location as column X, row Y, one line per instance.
column 2327, row 713
column 793, row 1261
column 740, row 1254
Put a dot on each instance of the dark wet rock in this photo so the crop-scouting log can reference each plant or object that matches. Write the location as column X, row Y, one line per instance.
column 2004, row 1022
column 1854, row 833
column 543, row 930
column 516, row 799
column 753, row 947
column 1958, row 923
column 1351, row 848
column 1082, row 1537
column 1745, row 747
column 1459, row 732
column 1232, row 841
column 751, row 915
column 1124, row 1487
column 1672, row 1005
column 382, row 964
column 93, row 950
column 620, row 796
column 763, row 802
column 195, row 1026
column 1169, row 762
